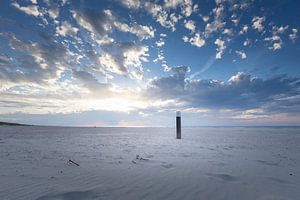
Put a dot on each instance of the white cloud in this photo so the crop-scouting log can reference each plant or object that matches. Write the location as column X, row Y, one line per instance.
column 135, row 4
column 196, row 40
column 279, row 30
column 29, row 10
column 257, row 23
column 126, row 61
column 218, row 23
column 110, row 63
column 160, row 42
column 143, row 32
column 220, row 49
column 242, row 54
column 185, row 5
column 228, row 31
column 293, row 36
column 164, row 14
column 276, row 46
column 66, row 29
column 166, row 68
column 244, row 29
column 205, row 18
column 190, row 25
column 246, row 42
column 53, row 13
column 275, row 41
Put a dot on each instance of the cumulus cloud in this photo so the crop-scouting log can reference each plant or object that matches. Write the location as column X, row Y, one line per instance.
column 275, row 41
column 195, row 40
column 143, row 32
column 240, row 92
column 102, row 23
column 218, row 23
column 94, row 21
column 66, row 29
column 293, row 35
column 190, row 25
column 220, row 48
column 29, row 10
column 165, row 14
column 257, row 23
column 242, row 54
column 244, row 30
column 186, row 6
column 246, row 42
column 37, row 62
column 126, row 61
column 160, row 42
column 135, row 4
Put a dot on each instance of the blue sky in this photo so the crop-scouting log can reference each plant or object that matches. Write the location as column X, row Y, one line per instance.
column 134, row 62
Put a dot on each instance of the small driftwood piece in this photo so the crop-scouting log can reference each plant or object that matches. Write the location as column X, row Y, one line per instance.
column 133, row 162
column 71, row 161
column 138, row 157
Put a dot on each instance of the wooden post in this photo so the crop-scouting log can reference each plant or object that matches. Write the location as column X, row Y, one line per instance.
column 178, row 125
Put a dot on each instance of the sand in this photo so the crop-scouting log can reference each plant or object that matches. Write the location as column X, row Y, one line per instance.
column 149, row 163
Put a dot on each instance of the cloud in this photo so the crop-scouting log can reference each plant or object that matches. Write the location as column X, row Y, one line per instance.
column 242, row 54
column 90, row 82
column 195, row 40
column 29, row 10
column 126, row 60
column 186, row 6
column 160, row 42
column 217, row 24
column 134, row 4
column 246, row 42
column 34, row 62
column 275, row 41
column 173, row 84
column 53, row 12
column 257, row 23
column 165, row 13
column 96, row 22
column 143, row 32
column 190, row 25
column 244, row 30
column 276, row 46
column 101, row 23
column 240, row 92
column 66, row 29
column 279, row 30
column 220, row 49
column 293, row 35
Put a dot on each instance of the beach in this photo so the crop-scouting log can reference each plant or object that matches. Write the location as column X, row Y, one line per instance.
column 219, row 163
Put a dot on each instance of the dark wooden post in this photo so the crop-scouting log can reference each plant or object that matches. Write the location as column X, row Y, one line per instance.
column 178, row 125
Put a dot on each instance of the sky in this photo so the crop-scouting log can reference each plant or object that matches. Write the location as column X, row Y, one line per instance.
column 136, row 62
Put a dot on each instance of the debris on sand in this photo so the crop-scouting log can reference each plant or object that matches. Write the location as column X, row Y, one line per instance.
column 133, row 162
column 72, row 162
column 138, row 157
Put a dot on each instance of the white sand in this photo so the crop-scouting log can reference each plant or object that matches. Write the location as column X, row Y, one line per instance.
column 208, row 163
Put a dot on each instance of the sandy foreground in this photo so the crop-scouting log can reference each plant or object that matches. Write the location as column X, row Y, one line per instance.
column 148, row 163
